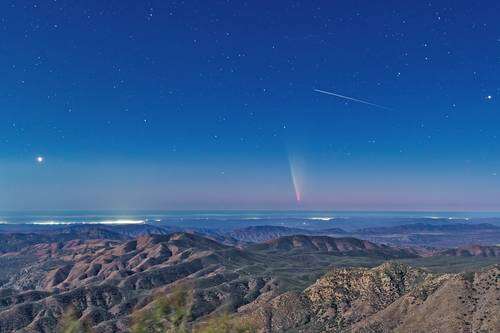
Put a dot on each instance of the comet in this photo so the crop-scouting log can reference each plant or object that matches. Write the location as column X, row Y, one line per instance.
column 351, row 99
column 295, row 181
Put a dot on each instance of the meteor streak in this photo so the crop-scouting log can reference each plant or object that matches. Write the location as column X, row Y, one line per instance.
column 351, row 99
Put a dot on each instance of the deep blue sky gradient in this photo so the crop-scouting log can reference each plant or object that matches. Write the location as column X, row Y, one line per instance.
column 205, row 104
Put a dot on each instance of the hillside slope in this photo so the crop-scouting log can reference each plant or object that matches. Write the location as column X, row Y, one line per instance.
column 389, row 298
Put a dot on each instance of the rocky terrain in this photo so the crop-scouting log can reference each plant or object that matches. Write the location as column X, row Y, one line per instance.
column 295, row 283
column 389, row 298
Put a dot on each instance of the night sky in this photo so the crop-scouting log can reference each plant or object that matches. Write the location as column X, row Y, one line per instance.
column 212, row 105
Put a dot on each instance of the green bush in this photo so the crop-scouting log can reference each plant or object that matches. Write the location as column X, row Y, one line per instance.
column 170, row 314
column 69, row 323
column 167, row 314
column 225, row 324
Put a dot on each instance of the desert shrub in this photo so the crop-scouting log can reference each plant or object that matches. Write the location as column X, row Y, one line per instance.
column 225, row 324
column 168, row 314
column 69, row 323
column 469, row 277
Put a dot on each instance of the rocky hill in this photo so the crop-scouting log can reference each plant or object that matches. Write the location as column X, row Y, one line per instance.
column 347, row 246
column 473, row 251
column 258, row 234
column 389, row 298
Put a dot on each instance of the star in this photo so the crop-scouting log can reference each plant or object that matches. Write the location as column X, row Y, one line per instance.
column 489, row 97
column 40, row 159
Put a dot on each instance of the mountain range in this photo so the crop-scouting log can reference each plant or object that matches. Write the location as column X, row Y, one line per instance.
column 294, row 282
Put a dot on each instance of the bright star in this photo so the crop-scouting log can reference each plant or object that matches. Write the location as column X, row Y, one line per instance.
column 489, row 97
column 40, row 159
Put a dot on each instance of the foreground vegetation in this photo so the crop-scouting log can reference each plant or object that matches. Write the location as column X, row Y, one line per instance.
column 167, row 314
